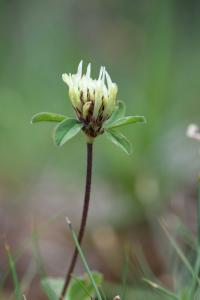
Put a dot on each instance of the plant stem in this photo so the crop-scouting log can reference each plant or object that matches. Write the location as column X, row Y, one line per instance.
column 83, row 219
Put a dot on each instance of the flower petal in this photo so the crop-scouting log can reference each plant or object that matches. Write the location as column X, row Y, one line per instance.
column 67, row 79
column 79, row 71
column 88, row 71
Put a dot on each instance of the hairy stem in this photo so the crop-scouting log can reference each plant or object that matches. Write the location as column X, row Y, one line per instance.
column 83, row 219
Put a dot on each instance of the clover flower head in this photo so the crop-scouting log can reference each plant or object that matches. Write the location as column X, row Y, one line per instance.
column 193, row 132
column 93, row 100
column 97, row 110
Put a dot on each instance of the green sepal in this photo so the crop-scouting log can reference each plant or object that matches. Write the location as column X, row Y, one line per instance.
column 66, row 130
column 47, row 117
column 118, row 113
column 125, row 121
column 79, row 288
column 119, row 140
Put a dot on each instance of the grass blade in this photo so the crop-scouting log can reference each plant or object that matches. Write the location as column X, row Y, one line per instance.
column 197, row 263
column 103, row 294
column 160, row 289
column 125, row 274
column 198, row 212
column 37, row 254
column 11, row 263
column 180, row 253
column 143, row 266
column 83, row 259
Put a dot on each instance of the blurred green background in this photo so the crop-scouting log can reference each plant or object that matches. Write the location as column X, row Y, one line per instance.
column 151, row 49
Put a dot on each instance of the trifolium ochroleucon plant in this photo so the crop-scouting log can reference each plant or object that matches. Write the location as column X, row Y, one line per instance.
column 98, row 111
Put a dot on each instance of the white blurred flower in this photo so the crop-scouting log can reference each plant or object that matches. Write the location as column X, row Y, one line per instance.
column 94, row 100
column 193, row 132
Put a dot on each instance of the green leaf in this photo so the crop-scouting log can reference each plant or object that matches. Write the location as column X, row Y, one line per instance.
column 120, row 140
column 51, row 288
column 47, row 117
column 82, row 288
column 66, row 130
column 185, row 295
column 118, row 113
column 126, row 121
column 79, row 288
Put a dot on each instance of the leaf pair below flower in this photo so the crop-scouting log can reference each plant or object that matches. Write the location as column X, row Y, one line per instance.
column 118, row 119
column 47, row 117
column 118, row 113
column 64, row 131
column 126, row 120
column 119, row 140
column 69, row 127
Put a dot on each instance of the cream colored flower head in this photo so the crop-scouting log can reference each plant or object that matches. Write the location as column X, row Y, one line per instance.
column 97, row 108
column 117, row 298
column 94, row 100
column 193, row 132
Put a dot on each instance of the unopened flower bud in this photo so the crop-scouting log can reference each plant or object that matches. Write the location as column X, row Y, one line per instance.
column 193, row 132
column 93, row 100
